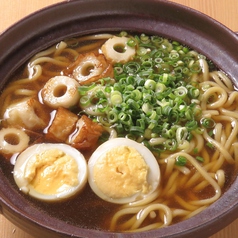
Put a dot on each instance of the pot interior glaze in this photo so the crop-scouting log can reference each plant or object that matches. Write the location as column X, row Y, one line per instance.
column 74, row 18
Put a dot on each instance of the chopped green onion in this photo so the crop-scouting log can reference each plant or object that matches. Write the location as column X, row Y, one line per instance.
column 210, row 145
column 171, row 144
column 118, row 70
column 200, row 159
column 136, row 130
column 150, row 84
column 131, row 67
column 156, row 40
column 136, row 94
column 199, row 130
column 181, row 92
column 84, row 100
column 131, row 43
column 195, row 68
column 195, row 150
column 147, row 108
column 84, row 89
column 144, row 38
column 191, row 125
column 174, row 55
column 181, row 161
column 112, row 117
column 116, row 98
column 151, row 96
column 193, row 92
column 123, row 33
column 124, row 118
column 211, row 133
column 208, row 123
column 160, row 87
column 141, row 51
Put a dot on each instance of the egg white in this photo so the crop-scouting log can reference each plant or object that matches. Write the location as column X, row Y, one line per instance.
column 68, row 191
column 153, row 177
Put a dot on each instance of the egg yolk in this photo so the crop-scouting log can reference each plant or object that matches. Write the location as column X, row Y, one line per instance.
column 121, row 172
column 51, row 172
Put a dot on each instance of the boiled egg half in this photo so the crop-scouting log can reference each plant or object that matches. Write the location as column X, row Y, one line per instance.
column 123, row 171
column 50, row 172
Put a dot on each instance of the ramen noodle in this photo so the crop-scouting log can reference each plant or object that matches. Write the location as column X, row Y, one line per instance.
column 153, row 92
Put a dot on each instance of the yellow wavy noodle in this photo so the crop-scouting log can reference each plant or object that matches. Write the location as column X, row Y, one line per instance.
column 199, row 145
column 215, row 156
column 183, row 169
column 191, row 214
column 218, row 131
column 193, row 180
column 231, row 114
column 36, row 72
column 217, row 164
column 54, row 50
column 90, row 47
column 206, row 156
column 169, row 168
column 206, row 176
column 94, row 37
column 220, row 177
column 217, row 92
column 180, row 212
column 232, row 130
column 205, row 69
column 183, row 181
column 222, row 80
column 100, row 38
column 203, row 184
column 184, row 204
column 231, row 103
column 210, row 113
column 154, row 196
column 60, row 47
column 112, row 132
column 219, row 147
column 141, row 214
column 53, row 61
column 124, row 212
column 235, row 146
column 73, row 53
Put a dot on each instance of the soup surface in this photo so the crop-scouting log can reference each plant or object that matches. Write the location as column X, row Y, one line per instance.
column 153, row 121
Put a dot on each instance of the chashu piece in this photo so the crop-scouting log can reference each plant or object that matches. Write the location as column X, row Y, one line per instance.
column 62, row 125
column 86, row 134
column 28, row 113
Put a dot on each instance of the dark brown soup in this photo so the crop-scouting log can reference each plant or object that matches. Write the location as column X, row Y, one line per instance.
column 85, row 91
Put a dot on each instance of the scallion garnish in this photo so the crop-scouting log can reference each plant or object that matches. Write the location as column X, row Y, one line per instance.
column 152, row 96
column 200, row 159
column 208, row 123
column 181, row 161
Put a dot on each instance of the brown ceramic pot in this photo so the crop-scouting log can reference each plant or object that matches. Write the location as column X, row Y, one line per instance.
column 80, row 17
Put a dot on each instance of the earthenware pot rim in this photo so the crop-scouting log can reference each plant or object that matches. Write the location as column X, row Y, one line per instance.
column 80, row 17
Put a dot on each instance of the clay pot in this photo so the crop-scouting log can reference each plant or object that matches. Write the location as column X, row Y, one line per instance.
column 74, row 18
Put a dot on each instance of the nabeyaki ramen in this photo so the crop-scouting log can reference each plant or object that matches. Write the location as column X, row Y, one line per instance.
column 120, row 132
